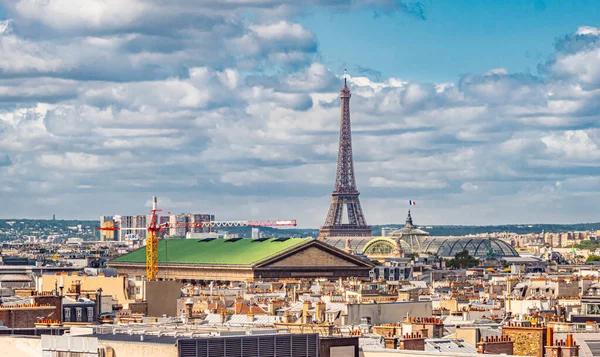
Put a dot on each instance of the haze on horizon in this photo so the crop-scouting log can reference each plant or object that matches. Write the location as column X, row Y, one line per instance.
column 482, row 114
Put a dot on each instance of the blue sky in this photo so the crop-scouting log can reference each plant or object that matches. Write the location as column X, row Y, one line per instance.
column 484, row 112
column 455, row 38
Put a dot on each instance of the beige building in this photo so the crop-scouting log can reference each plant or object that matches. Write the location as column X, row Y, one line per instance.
column 241, row 259
column 117, row 287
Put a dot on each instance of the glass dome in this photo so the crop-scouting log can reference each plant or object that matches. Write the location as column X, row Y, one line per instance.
column 479, row 247
column 356, row 244
column 385, row 246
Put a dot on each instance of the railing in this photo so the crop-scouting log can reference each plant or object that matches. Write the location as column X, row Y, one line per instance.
column 560, row 327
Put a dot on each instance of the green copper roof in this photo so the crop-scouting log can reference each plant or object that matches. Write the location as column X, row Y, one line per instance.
column 214, row 251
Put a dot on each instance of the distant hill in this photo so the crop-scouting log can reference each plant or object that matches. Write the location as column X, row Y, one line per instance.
column 514, row 228
column 37, row 226
column 436, row 230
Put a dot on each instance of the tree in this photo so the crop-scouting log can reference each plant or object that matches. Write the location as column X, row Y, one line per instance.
column 464, row 260
column 588, row 244
column 412, row 256
column 593, row 258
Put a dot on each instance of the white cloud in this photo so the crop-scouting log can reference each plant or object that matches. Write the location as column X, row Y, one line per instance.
column 468, row 186
column 588, row 30
column 65, row 14
column 235, row 114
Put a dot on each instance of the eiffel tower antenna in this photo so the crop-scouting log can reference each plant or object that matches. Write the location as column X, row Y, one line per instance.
column 345, row 193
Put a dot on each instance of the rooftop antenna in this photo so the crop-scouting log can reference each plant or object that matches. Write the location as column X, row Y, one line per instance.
column 345, row 74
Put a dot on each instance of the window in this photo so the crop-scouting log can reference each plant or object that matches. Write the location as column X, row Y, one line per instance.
column 67, row 314
column 592, row 309
column 90, row 314
column 79, row 313
column 380, row 248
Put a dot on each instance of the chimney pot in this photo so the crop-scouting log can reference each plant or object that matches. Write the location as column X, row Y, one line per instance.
column 569, row 340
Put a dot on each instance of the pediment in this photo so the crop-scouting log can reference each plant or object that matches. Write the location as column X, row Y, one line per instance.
column 311, row 256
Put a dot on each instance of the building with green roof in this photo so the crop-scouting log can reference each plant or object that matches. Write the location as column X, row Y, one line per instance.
column 240, row 259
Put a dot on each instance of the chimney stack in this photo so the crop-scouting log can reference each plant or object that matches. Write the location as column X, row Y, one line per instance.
column 189, row 303
column 412, row 342
column 320, row 308
column 570, row 349
column 305, row 314
column 549, row 336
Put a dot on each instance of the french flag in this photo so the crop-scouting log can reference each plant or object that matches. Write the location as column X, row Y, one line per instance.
column 412, row 203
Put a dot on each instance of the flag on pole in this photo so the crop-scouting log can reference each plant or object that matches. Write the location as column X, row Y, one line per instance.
column 412, row 203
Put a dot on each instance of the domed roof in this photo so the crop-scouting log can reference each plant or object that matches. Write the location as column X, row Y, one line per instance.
column 409, row 229
column 356, row 244
column 478, row 247
column 385, row 247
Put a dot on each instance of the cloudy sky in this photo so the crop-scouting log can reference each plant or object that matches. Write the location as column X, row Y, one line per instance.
column 481, row 113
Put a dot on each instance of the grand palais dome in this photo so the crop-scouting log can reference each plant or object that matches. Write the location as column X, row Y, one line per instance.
column 410, row 239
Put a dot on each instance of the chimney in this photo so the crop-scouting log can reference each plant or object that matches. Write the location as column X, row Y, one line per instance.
column 223, row 316
column 570, row 349
column 76, row 286
column 390, row 342
column 271, row 308
column 412, row 342
column 320, row 311
column 286, row 317
column 424, row 332
column 189, row 303
column 250, row 316
column 274, row 305
column 495, row 345
column 549, row 336
column 305, row 314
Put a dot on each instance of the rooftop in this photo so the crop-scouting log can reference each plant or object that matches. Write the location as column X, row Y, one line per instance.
column 236, row 251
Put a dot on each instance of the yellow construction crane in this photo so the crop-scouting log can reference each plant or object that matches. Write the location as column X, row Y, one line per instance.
column 155, row 227
column 152, row 243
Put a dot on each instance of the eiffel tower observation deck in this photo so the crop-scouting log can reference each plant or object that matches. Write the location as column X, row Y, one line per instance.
column 345, row 195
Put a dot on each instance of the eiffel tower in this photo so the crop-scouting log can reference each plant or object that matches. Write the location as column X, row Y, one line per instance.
column 345, row 193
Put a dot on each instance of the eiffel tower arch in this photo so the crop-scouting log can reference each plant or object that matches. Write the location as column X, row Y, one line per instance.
column 345, row 194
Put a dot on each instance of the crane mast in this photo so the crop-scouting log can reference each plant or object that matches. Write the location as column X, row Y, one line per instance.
column 152, row 244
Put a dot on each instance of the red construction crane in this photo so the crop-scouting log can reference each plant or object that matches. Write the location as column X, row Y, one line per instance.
column 154, row 228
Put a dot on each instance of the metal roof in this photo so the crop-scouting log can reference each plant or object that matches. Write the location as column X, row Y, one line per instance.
column 15, row 278
column 216, row 251
column 449, row 345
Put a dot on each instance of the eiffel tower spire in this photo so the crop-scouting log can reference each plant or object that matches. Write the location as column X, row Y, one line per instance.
column 345, row 193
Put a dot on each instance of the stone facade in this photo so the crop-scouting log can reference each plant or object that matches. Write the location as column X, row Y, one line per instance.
column 162, row 297
column 496, row 345
column 315, row 256
column 527, row 341
column 24, row 317
column 55, row 301
column 188, row 272
column 388, row 330
column 412, row 342
column 428, row 327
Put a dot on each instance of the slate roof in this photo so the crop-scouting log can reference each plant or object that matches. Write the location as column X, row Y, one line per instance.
column 449, row 345
column 215, row 251
column 240, row 320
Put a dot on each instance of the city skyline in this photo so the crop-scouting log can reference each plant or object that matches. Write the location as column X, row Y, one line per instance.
column 234, row 110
